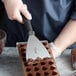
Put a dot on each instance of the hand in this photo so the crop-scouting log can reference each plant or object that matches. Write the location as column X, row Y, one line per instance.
column 55, row 50
column 14, row 8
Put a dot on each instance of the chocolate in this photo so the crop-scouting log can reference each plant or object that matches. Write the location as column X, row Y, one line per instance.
column 73, row 58
column 38, row 67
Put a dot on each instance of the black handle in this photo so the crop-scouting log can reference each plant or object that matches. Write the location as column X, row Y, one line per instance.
column 27, row 24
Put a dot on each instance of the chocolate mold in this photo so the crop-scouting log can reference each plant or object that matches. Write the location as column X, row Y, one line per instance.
column 73, row 58
column 38, row 67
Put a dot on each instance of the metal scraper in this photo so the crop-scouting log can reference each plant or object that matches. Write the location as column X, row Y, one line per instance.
column 35, row 49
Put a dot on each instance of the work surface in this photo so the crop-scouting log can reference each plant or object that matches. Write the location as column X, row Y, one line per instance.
column 10, row 64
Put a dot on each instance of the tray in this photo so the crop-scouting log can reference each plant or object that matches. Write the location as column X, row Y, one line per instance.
column 38, row 67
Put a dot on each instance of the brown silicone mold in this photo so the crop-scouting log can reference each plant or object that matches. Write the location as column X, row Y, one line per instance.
column 73, row 58
column 38, row 67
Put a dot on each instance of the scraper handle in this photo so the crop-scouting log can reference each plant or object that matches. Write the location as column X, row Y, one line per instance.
column 28, row 25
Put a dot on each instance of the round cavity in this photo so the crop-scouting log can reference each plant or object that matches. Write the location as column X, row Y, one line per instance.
column 46, row 73
column 36, row 68
column 38, row 59
column 28, row 69
column 51, row 62
column 38, row 74
column 43, row 63
column 23, row 54
column 44, row 68
column 25, row 64
column 29, row 74
column 52, row 68
column 46, row 58
column 35, row 64
column 30, row 60
column 21, row 45
column 24, row 59
column 22, row 49
column 54, row 73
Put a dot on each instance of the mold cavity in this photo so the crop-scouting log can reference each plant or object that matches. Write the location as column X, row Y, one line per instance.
column 51, row 62
column 46, row 58
column 38, row 59
column 36, row 68
column 38, row 74
column 35, row 64
column 22, row 49
column 29, row 74
column 24, row 59
column 52, row 68
column 54, row 73
column 21, row 45
column 46, row 73
column 23, row 54
column 25, row 64
column 30, row 60
column 28, row 69
column 43, row 63
column 44, row 68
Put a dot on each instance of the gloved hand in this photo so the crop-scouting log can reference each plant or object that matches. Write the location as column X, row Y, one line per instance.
column 14, row 8
column 55, row 50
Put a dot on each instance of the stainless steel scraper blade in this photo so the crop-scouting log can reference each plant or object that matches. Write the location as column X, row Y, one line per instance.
column 35, row 49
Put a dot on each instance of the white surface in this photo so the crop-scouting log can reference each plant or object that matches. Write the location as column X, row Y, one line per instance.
column 64, row 64
column 10, row 64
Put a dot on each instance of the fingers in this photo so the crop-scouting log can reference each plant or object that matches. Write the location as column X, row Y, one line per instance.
column 17, row 16
column 25, row 12
column 14, row 8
